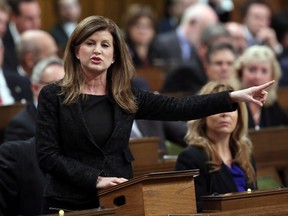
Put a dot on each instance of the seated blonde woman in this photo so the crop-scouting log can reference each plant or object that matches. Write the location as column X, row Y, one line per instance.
column 258, row 65
column 220, row 149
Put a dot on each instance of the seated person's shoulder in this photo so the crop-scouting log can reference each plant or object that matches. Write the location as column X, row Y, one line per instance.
column 193, row 152
column 19, row 146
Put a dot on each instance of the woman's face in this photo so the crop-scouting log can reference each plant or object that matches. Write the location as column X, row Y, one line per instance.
column 223, row 123
column 256, row 73
column 96, row 53
column 142, row 32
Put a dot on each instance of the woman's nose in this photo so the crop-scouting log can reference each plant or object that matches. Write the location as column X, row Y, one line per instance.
column 97, row 49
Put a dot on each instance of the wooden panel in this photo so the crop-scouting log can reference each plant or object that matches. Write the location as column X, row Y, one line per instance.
column 48, row 14
column 235, row 201
column 279, row 210
column 90, row 212
column 169, row 195
column 114, row 9
column 8, row 112
column 144, row 150
column 270, row 147
column 154, row 194
column 282, row 94
column 160, row 166
column 154, row 76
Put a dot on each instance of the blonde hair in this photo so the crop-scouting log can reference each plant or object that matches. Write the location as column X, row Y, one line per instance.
column 240, row 143
column 119, row 74
column 260, row 53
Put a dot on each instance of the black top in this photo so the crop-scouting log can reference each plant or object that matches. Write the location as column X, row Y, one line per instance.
column 98, row 115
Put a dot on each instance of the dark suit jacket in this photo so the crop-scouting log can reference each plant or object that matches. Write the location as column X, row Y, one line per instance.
column 23, row 124
column 166, row 25
column 165, row 130
column 206, row 183
column 19, row 86
column 168, row 46
column 270, row 117
column 59, row 35
column 187, row 77
column 73, row 160
column 21, row 181
column 10, row 56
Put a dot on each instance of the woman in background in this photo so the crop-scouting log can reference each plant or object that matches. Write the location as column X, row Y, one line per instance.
column 258, row 65
column 220, row 149
column 140, row 30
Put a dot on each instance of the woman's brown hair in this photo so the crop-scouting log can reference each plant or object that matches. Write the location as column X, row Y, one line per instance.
column 119, row 74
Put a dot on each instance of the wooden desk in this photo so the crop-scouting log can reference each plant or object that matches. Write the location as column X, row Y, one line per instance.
column 90, row 212
column 276, row 210
column 243, row 200
column 154, row 194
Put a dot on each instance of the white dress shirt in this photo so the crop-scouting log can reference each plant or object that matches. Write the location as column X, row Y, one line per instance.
column 5, row 93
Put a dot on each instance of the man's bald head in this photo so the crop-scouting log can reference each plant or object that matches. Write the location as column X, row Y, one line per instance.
column 195, row 18
column 33, row 46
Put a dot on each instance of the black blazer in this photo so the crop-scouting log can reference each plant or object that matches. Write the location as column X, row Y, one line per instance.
column 21, row 181
column 19, row 86
column 186, row 77
column 73, row 160
column 168, row 46
column 23, row 125
column 206, row 183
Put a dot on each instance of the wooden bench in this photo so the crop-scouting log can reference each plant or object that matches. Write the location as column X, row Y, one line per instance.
column 270, row 151
column 154, row 76
column 282, row 94
column 147, row 156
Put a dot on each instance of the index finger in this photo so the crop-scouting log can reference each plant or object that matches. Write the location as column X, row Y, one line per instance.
column 265, row 85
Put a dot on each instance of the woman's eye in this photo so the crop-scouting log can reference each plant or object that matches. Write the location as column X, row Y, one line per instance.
column 89, row 43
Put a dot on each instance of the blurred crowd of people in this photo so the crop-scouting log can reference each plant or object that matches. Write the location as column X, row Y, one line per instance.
column 195, row 43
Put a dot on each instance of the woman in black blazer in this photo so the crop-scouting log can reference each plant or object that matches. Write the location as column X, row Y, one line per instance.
column 84, row 121
column 220, row 149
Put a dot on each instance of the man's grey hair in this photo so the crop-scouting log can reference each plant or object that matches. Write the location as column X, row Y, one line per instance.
column 213, row 31
column 42, row 65
column 195, row 11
